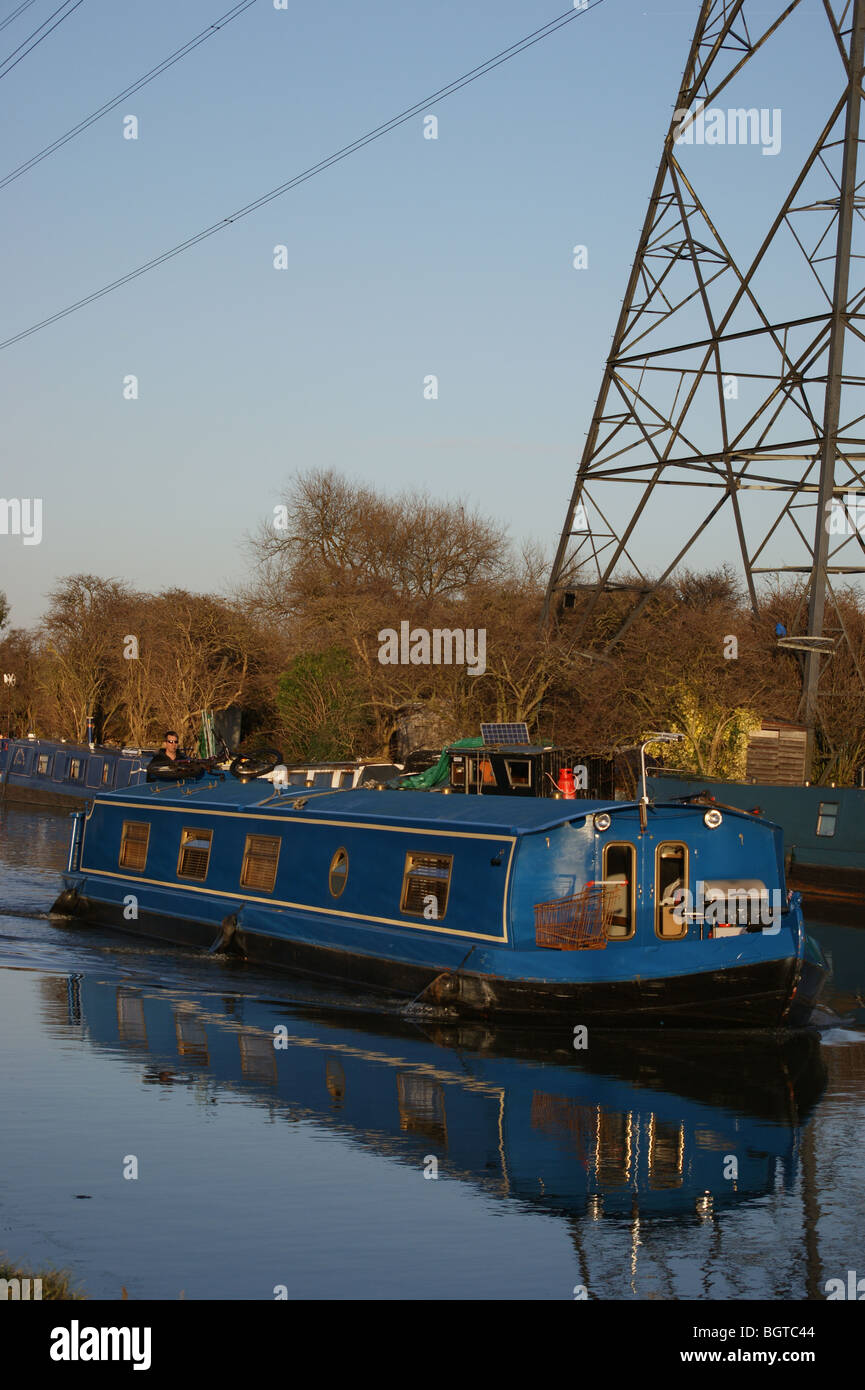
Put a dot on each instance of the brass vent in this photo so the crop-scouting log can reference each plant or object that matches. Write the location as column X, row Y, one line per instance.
column 260, row 858
column 133, row 845
column 426, row 877
column 194, row 854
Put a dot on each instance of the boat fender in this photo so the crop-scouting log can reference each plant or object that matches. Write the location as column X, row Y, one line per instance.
column 256, row 764
column 226, row 942
column 67, row 905
column 442, row 988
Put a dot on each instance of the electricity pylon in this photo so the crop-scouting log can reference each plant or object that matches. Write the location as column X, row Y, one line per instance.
column 730, row 375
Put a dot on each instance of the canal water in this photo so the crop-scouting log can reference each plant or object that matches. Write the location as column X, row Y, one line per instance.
column 177, row 1125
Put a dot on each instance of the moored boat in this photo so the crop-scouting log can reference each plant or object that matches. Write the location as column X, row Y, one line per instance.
column 338, row 774
column 476, row 767
column 50, row 772
column 615, row 913
column 824, row 827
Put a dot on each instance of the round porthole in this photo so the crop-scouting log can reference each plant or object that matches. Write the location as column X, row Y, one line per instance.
column 338, row 872
column 602, row 822
column 713, row 819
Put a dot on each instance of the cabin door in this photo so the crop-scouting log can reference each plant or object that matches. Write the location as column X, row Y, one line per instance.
column 668, row 876
column 621, row 876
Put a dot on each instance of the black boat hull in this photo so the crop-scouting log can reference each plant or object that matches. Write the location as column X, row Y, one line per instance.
column 766, row 994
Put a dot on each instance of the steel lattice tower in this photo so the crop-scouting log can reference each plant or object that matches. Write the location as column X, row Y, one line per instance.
column 780, row 459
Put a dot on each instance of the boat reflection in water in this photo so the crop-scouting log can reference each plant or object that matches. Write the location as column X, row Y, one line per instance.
column 677, row 1126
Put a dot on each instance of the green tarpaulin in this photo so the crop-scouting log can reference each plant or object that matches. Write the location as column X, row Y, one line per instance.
column 435, row 776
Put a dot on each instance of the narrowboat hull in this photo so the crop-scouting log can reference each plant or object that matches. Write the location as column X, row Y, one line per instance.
column 775, row 993
column 441, row 901
column 45, row 798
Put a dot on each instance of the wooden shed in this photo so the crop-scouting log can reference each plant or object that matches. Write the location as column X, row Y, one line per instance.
column 776, row 753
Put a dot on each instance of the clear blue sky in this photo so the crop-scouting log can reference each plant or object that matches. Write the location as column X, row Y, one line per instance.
column 412, row 257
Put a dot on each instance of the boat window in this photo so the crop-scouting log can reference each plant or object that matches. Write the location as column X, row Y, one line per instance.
column 43, row 764
column 191, row 1035
column 75, row 769
column 616, row 1150
column 106, row 772
column 133, row 845
column 19, row 762
column 421, row 1102
column 297, row 779
column 827, row 816
column 519, row 772
column 257, row 1058
column 338, row 872
column 425, row 885
column 620, row 890
column 60, row 762
column 346, row 779
column 131, row 1020
column 260, row 858
column 323, row 779
column 194, row 854
column 94, row 767
column 671, row 876
column 666, row 1154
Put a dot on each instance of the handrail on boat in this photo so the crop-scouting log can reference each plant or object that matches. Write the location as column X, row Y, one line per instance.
column 75, row 842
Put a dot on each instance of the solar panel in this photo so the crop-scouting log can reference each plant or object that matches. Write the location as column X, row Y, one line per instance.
column 505, row 733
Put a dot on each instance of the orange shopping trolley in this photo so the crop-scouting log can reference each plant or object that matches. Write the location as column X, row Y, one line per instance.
column 575, row 923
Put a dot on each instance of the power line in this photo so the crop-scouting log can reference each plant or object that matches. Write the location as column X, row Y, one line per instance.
column 480, row 71
column 128, row 91
column 4, row 61
column 8, row 69
column 15, row 13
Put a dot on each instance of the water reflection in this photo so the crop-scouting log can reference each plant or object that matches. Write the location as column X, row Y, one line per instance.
column 618, row 1129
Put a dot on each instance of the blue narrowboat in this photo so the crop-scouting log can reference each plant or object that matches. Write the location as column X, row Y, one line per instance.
column 46, row 772
column 610, row 912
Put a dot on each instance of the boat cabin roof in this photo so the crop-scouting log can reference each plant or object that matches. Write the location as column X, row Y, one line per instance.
column 84, row 750
column 515, row 749
column 492, row 815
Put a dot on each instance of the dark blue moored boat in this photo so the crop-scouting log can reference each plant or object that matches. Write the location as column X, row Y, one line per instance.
column 824, row 827
column 47, row 772
column 610, row 912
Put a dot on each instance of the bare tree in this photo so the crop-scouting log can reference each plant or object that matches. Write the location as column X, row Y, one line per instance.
column 345, row 537
column 81, row 633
